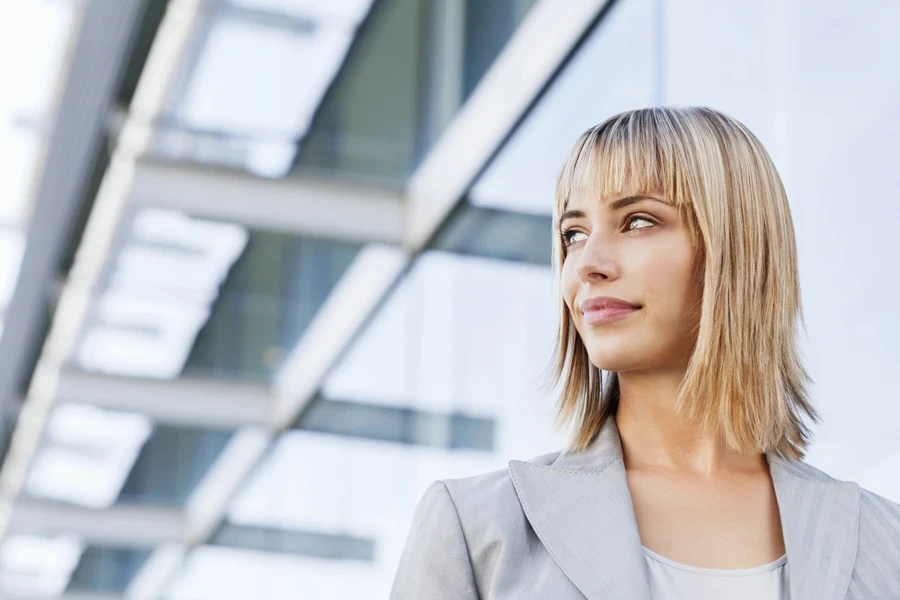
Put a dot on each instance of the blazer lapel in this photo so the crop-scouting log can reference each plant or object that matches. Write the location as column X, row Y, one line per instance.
column 820, row 526
column 580, row 508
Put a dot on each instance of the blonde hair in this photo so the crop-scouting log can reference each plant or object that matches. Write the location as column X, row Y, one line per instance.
column 745, row 378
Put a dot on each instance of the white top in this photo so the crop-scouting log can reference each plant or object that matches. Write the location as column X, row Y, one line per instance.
column 670, row 580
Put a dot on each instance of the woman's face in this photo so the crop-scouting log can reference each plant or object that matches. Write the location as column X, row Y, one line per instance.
column 633, row 248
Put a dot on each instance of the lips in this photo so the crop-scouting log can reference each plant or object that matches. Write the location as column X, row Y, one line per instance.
column 604, row 302
column 606, row 309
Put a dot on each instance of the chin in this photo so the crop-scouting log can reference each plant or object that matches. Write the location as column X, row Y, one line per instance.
column 614, row 361
column 623, row 353
column 621, row 357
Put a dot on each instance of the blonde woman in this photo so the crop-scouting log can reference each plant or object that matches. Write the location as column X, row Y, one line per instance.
column 684, row 477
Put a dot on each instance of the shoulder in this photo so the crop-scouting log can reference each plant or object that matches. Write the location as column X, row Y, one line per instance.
column 877, row 566
column 463, row 533
column 488, row 510
column 878, row 509
column 873, row 509
column 487, row 492
column 804, row 470
column 878, row 532
column 879, row 527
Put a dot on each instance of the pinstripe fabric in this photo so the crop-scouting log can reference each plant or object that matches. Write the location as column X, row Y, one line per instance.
column 877, row 570
column 562, row 526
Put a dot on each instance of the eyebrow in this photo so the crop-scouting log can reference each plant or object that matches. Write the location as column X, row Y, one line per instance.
column 615, row 205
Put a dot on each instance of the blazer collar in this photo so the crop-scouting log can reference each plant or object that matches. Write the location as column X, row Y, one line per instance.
column 580, row 507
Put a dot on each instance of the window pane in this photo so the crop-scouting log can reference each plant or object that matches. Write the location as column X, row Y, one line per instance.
column 106, row 570
column 609, row 73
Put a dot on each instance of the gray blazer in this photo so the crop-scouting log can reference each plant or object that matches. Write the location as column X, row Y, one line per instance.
column 561, row 526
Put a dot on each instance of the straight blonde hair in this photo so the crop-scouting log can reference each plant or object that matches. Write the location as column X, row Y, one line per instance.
column 744, row 379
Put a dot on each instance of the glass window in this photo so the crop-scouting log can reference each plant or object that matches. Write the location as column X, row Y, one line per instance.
column 37, row 567
column 50, row 567
column 311, row 544
column 265, row 305
column 464, row 335
column 233, row 103
column 97, row 457
column 615, row 69
column 405, row 69
column 400, row 424
column 237, row 574
column 413, row 65
column 106, row 570
column 492, row 233
column 171, row 464
column 191, row 296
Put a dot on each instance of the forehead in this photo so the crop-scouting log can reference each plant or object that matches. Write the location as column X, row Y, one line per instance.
column 583, row 197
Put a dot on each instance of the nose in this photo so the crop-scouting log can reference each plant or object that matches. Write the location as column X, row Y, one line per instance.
column 596, row 261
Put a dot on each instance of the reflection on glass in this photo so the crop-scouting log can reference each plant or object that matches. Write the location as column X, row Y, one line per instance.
column 234, row 104
column 370, row 91
column 397, row 424
column 609, row 73
column 34, row 566
column 106, row 570
column 265, row 305
column 158, row 294
column 86, row 455
column 306, row 543
column 491, row 233
column 171, row 464
column 412, row 66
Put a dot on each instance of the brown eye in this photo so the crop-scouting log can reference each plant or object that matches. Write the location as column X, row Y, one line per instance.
column 566, row 236
column 634, row 218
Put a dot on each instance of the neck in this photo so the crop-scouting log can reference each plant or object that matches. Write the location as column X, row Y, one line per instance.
column 655, row 437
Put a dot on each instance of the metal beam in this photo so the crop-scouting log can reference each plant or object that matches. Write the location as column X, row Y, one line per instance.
column 75, row 298
column 296, row 205
column 123, row 526
column 94, row 71
column 187, row 402
column 537, row 49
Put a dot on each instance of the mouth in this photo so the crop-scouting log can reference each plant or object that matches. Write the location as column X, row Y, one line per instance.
column 606, row 309
column 601, row 316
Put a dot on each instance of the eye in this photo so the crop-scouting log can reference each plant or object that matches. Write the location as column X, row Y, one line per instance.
column 633, row 219
column 567, row 234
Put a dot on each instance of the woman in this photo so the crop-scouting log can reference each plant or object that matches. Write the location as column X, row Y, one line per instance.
column 684, row 477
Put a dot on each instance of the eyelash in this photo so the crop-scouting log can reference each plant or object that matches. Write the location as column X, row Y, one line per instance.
column 564, row 234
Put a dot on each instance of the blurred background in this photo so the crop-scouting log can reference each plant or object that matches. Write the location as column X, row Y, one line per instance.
column 270, row 267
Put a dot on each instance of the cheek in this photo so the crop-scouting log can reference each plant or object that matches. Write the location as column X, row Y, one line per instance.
column 568, row 284
column 671, row 281
column 568, row 289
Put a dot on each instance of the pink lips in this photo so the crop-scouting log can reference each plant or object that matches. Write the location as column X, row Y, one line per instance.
column 605, row 309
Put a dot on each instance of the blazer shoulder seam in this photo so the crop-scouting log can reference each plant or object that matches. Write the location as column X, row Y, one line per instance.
column 558, row 470
column 874, row 496
column 794, row 473
column 550, row 467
